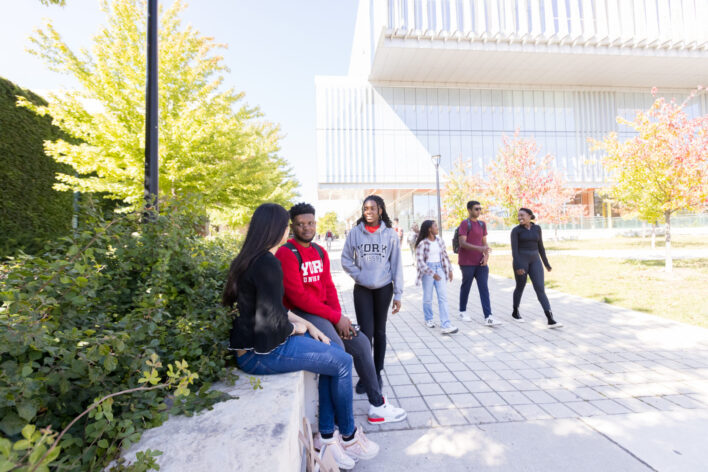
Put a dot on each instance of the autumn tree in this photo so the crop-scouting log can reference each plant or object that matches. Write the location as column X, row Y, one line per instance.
column 210, row 144
column 663, row 168
column 518, row 178
column 461, row 186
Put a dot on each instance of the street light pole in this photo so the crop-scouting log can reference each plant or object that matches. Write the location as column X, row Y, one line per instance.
column 151, row 165
column 436, row 161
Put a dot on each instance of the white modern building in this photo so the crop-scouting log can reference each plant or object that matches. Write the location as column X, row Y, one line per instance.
column 451, row 77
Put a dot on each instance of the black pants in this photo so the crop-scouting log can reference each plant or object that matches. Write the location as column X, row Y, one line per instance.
column 534, row 269
column 371, row 307
column 359, row 347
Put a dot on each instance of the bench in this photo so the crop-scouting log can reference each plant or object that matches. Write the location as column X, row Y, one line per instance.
column 256, row 431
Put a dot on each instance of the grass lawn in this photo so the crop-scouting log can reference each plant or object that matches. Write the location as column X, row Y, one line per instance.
column 677, row 241
column 638, row 285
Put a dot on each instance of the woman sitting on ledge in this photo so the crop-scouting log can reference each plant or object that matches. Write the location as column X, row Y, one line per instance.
column 270, row 340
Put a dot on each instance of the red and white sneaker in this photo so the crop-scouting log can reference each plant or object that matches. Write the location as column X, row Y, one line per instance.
column 386, row 413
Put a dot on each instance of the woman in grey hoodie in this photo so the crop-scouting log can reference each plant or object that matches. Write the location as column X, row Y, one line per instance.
column 372, row 257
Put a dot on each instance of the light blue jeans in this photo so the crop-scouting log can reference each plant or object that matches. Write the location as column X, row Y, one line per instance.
column 441, row 288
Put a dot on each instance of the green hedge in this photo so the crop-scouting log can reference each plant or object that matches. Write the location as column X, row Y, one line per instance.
column 31, row 212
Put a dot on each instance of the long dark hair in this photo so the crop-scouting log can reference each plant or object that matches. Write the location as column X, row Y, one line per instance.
column 424, row 231
column 380, row 203
column 265, row 231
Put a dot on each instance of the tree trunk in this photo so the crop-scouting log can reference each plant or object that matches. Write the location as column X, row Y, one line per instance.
column 669, row 262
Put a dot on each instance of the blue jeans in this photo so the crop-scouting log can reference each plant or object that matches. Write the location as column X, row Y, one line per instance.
column 481, row 273
column 441, row 288
column 330, row 361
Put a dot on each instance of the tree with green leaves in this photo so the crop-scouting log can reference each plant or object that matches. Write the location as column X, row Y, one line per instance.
column 328, row 222
column 210, row 143
column 461, row 187
column 663, row 168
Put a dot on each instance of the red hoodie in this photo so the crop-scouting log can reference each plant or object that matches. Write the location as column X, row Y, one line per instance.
column 310, row 287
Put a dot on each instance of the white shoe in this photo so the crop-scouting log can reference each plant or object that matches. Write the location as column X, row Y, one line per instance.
column 490, row 321
column 449, row 330
column 430, row 324
column 386, row 413
column 360, row 447
column 464, row 317
column 334, row 444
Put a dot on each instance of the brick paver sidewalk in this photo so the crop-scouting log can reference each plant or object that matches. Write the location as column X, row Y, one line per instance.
column 605, row 361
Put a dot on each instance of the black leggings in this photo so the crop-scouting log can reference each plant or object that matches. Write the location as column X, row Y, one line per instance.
column 534, row 269
column 371, row 307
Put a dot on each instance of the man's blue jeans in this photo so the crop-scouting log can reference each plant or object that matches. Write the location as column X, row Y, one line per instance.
column 330, row 361
column 440, row 286
column 481, row 273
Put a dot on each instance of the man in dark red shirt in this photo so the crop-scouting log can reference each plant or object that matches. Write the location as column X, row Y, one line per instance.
column 473, row 257
column 310, row 293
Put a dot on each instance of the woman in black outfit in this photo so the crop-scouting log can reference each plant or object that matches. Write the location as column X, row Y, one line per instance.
column 268, row 339
column 527, row 252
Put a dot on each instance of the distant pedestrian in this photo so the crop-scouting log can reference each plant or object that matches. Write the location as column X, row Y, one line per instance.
column 434, row 270
column 399, row 231
column 328, row 240
column 412, row 238
column 473, row 258
column 527, row 252
column 372, row 257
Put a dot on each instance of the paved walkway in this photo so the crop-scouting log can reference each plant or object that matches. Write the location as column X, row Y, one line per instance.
column 612, row 390
column 638, row 254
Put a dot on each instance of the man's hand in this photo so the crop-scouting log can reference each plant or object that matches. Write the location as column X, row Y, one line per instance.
column 396, row 306
column 344, row 327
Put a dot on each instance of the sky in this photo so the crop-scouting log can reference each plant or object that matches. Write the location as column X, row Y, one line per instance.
column 275, row 50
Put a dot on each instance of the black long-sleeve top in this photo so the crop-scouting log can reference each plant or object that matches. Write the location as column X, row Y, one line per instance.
column 262, row 322
column 527, row 244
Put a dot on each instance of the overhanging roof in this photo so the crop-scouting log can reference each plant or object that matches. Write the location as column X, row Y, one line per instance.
column 432, row 60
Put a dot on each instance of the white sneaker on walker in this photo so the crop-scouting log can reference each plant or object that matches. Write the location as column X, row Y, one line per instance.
column 464, row 317
column 360, row 447
column 490, row 321
column 386, row 413
column 344, row 461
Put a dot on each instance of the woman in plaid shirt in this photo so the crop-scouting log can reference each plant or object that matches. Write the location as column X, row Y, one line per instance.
column 434, row 270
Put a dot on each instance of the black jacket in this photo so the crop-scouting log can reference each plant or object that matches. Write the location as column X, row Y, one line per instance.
column 527, row 244
column 262, row 322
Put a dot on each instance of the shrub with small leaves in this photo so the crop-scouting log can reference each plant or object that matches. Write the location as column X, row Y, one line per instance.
column 82, row 320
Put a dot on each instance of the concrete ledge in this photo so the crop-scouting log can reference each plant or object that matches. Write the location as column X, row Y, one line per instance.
column 256, row 431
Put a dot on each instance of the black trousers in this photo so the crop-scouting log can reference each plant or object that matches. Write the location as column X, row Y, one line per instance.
column 534, row 269
column 371, row 307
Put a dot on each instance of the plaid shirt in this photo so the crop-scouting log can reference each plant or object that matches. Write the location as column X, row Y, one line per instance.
column 421, row 257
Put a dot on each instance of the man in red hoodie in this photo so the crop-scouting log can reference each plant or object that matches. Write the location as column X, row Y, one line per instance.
column 310, row 293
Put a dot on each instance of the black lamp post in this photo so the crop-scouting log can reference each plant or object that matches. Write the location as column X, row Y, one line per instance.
column 151, row 169
column 436, row 161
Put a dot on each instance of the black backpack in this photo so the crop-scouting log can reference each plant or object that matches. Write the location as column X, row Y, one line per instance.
column 456, row 236
column 292, row 247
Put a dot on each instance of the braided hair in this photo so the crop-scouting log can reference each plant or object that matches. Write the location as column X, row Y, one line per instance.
column 380, row 203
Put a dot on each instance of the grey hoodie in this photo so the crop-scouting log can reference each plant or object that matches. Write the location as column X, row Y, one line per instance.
column 373, row 260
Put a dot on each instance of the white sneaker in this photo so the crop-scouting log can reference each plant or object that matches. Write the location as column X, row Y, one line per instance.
column 449, row 330
column 386, row 413
column 464, row 317
column 334, row 444
column 490, row 321
column 430, row 324
column 360, row 447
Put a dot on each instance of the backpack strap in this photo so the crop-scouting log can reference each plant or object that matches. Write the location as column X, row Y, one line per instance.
column 292, row 247
column 319, row 250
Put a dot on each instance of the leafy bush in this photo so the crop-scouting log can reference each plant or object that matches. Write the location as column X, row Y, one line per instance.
column 82, row 320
